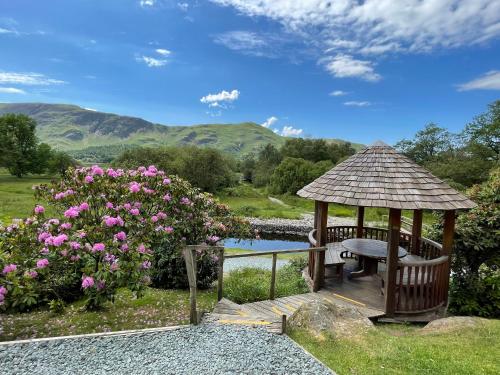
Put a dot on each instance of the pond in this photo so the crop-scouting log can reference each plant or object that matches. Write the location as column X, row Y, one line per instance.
column 269, row 243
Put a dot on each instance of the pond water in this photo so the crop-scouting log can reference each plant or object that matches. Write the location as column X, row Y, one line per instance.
column 268, row 244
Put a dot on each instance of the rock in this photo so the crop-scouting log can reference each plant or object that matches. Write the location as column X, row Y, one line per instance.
column 452, row 323
column 322, row 316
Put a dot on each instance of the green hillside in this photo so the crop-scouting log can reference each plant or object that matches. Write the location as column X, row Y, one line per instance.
column 96, row 136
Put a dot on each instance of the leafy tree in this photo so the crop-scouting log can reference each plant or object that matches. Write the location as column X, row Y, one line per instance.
column 482, row 135
column 293, row 173
column 60, row 162
column 18, row 144
column 316, row 150
column 247, row 167
column 268, row 159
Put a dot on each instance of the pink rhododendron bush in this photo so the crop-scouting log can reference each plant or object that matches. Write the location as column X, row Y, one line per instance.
column 114, row 229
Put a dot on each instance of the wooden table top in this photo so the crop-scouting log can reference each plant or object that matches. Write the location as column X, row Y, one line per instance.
column 370, row 248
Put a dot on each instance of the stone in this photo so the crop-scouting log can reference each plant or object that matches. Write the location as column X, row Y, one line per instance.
column 452, row 323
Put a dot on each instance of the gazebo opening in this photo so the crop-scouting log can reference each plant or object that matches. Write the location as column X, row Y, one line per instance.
column 388, row 269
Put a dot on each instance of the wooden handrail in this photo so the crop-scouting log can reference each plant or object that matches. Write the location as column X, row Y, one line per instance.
column 261, row 253
column 423, row 263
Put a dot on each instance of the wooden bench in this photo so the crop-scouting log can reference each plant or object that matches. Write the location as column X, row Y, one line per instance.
column 333, row 259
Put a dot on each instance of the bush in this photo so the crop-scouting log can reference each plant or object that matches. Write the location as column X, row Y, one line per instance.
column 253, row 284
column 108, row 224
column 294, row 173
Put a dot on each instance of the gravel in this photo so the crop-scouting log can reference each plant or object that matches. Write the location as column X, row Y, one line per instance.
column 258, row 262
column 205, row 349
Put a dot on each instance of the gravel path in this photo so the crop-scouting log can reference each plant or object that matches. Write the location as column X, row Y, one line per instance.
column 205, row 349
column 259, row 262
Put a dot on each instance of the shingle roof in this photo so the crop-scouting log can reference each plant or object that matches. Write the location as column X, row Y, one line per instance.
column 379, row 176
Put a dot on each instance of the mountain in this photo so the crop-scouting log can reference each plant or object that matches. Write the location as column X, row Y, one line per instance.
column 97, row 136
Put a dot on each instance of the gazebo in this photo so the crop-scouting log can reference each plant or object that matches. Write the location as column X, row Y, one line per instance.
column 417, row 270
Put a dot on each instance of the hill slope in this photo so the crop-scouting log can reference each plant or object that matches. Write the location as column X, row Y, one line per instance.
column 98, row 136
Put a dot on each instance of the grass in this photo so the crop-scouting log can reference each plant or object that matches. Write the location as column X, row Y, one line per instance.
column 16, row 195
column 396, row 349
column 253, row 284
column 158, row 308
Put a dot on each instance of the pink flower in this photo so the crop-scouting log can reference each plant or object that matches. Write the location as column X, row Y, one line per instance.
column 98, row 247
column 110, row 221
column 127, row 206
column 101, row 284
column 134, row 187
column 142, row 249
column 89, row 179
column 96, row 170
column 9, row 268
column 44, row 251
column 64, row 253
column 84, row 206
column 124, row 248
column 72, row 212
column 146, row 265
column 114, row 266
column 169, row 229
column 82, row 234
column 167, row 197
column 3, row 290
column 65, row 226
column 32, row 274
column 59, row 196
column 43, row 236
column 59, row 240
column 87, row 282
column 42, row 263
column 111, row 172
column 75, row 245
column 185, row 201
column 74, row 258
column 134, row 211
column 154, row 218
column 161, row 215
column 121, row 236
column 213, row 239
column 166, row 181
column 110, row 205
column 39, row 209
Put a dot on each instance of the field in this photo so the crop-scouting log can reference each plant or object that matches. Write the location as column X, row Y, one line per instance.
column 403, row 349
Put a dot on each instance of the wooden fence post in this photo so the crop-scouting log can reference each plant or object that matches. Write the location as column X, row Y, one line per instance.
column 220, row 274
column 317, row 271
column 190, row 259
column 273, row 277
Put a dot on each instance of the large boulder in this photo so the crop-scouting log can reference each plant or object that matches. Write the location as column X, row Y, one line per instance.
column 324, row 316
column 452, row 323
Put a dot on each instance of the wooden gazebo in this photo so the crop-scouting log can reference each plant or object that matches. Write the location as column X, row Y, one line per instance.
column 379, row 176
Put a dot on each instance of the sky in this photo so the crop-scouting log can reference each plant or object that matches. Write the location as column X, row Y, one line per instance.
column 356, row 70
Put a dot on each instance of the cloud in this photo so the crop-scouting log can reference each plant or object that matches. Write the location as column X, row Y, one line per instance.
column 7, row 31
column 346, row 66
column 247, row 42
column 151, row 61
column 163, row 52
column 183, row 6
column 269, row 122
column 32, row 79
column 290, row 131
column 354, row 103
column 11, row 90
column 147, row 3
column 338, row 93
column 488, row 81
column 90, row 109
column 217, row 100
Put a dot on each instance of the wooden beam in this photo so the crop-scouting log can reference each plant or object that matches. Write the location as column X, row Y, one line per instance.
column 190, row 259
column 448, row 233
column 416, row 232
column 312, row 254
column 220, row 274
column 322, row 223
column 360, row 222
column 273, row 277
column 392, row 261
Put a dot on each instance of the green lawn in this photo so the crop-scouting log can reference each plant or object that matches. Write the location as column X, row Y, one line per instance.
column 16, row 195
column 396, row 349
column 158, row 308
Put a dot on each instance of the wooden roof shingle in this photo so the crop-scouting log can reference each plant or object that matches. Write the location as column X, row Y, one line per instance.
column 379, row 176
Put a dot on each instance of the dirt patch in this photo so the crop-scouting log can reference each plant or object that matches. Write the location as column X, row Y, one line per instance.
column 452, row 323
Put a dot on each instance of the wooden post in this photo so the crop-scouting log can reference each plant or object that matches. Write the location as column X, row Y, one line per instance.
column 416, row 232
column 190, row 259
column 392, row 260
column 220, row 274
column 360, row 223
column 317, row 271
column 448, row 232
column 273, row 277
column 283, row 324
column 321, row 225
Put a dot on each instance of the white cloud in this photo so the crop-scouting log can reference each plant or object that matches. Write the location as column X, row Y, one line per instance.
column 163, row 52
column 354, row 103
column 151, row 61
column 32, row 79
column 247, row 42
column 147, row 3
column 183, row 6
column 338, row 93
column 7, row 31
column 269, row 122
column 90, row 109
column 11, row 90
column 346, row 66
column 488, row 81
column 216, row 100
column 290, row 131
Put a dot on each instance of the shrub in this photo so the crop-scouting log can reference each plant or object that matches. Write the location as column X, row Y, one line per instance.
column 109, row 222
column 253, row 284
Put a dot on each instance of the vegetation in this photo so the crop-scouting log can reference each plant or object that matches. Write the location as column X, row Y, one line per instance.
column 404, row 349
column 206, row 168
column 100, row 240
column 475, row 287
column 253, row 284
column 157, row 308
column 292, row 174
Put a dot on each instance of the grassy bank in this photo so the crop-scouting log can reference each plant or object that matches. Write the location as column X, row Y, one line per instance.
column 397, row 349
column 158, row 308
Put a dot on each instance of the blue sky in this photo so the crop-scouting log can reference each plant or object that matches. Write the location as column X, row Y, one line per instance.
column 361, row 71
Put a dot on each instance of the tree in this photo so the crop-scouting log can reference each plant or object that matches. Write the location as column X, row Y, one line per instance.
column 247, row 167
column 316, row 150
column 60, row 162
column 18, row 144
column 268, row 159
column 294, row 173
